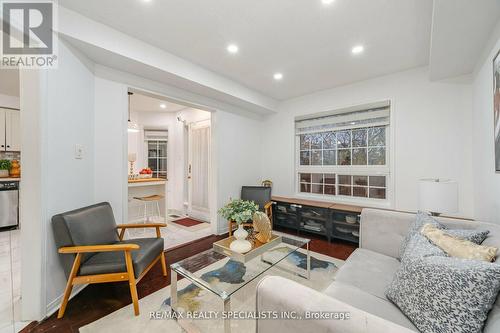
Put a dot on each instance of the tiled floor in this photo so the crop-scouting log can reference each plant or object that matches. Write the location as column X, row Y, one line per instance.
column 10, row 280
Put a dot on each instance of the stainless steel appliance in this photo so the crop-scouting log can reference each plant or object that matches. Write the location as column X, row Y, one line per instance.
column 9, row 204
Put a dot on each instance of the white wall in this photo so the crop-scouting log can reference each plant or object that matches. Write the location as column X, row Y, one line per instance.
column 110, row 126
column 238, row 145
column 7, row 101
column 486, row 181
column 69, row 181
column 431, row 124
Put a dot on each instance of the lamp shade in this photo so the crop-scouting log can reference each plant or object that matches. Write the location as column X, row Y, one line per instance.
column 132, row 157
column 438, row 195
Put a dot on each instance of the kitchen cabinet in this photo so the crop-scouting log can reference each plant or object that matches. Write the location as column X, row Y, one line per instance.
column 10, row 130
column 2, row 129
column 13, row 130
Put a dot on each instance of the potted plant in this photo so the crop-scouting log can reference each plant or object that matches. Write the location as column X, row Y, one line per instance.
column 239, row 211
column 4, row 168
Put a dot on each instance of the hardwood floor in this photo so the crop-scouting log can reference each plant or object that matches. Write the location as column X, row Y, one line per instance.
column 99, row 300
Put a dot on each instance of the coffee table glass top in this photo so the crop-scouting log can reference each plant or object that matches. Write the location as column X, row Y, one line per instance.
column 233, row 274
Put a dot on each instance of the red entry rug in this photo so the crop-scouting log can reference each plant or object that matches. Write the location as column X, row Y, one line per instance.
column 187, row 222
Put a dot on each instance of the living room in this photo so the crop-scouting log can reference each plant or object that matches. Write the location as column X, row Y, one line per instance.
column 338, row 120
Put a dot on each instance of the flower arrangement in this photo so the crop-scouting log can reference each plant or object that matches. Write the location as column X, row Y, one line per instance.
column 238, row 210
column 5, row 165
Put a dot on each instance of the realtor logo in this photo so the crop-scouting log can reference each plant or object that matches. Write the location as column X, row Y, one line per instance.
column 28, row 34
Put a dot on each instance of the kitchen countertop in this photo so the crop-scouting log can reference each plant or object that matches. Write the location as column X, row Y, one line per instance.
column 146, row 182
column 9, row 179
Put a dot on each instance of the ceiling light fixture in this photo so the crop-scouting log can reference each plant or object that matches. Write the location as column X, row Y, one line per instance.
column 327, row 2
column 278, row 76
column 163, row 106
column 131, row 126
column 357, row 49
column 232, row 48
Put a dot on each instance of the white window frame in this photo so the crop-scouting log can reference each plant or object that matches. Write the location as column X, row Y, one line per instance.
column 160, row 138
column 386, row 170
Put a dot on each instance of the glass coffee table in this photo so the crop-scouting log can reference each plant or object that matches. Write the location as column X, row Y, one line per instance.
column 237, row 275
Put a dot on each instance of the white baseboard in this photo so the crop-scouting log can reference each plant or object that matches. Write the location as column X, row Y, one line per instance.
column 54, row 306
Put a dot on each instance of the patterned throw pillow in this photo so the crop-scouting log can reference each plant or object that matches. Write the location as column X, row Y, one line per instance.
column 419, row 247
column 422, row 218
column 444, row 294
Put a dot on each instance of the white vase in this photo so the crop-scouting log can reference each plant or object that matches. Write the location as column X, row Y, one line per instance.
column 4, row 173
column 240, row 245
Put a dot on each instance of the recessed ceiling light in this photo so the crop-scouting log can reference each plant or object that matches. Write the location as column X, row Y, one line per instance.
column 357, row 49
column 146, row 0
column 327, row 2
column 278, row 76
column 232, row 48
column 163, row 106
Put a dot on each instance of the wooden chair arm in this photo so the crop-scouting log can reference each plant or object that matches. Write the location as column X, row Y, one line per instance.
column 124, row 227
column 268, row 205
column 141, row 225
column 98, row 248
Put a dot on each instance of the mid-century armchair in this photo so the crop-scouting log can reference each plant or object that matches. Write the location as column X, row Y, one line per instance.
column 93, row 250
column 261, row 195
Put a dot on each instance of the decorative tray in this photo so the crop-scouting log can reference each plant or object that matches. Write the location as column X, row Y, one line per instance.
column 258, row 248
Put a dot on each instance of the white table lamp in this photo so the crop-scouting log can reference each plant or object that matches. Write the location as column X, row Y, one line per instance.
column 438, row 196
column 132, row 157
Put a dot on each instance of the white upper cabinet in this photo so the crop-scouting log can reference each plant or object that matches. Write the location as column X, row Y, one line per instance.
column 13, row 130
column 2, row 129
column 10, row 130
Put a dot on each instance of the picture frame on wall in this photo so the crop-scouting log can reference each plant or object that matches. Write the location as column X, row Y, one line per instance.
column 496, row 108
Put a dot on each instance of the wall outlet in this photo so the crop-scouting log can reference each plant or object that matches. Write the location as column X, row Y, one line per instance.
column 79, row 152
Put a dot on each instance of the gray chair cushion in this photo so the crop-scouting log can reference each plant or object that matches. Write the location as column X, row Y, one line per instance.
column 114, row 262
column 90, row 225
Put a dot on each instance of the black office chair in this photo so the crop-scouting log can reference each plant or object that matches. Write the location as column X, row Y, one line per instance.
column 261, row 195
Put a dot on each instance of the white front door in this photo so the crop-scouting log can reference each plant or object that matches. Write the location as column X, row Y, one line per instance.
column 199, row 170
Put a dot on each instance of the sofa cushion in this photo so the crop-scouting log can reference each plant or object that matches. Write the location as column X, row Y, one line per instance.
column 419, row 247
column 493, row 323
column 369, row 271
column 444, row 294
column 380, row 307
column 114, row 262
column 421, row 219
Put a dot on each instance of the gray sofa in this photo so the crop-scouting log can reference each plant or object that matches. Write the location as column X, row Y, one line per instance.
column 360, row 284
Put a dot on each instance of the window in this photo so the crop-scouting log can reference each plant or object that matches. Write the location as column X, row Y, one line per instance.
column 156, row 142
column 344, row 153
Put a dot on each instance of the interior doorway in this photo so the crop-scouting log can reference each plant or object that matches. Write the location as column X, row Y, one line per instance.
column 199, row 156
column 169, row 158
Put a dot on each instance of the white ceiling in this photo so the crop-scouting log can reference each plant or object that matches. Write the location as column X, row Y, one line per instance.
column 9, row 82
column 308, row 42
column 143, row 103
column 460, row 31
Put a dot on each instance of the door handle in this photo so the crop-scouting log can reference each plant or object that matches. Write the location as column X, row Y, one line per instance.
column 189, row 177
